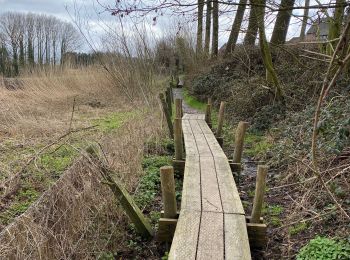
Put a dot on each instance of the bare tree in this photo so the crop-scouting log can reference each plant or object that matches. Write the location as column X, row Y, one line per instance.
column 236, row 26
column 207, row 28
column 252, row 30
column 280, row 30
column 305, row 18
column 215, row 39
column 200, row 27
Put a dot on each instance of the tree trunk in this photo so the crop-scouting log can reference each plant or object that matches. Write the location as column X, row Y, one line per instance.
column 305, row 18
column 200, row 27
column 236, row 26
column 252, row 30
column 280, row 30
column 207, row 29
column 271, row 75
column 215, row 39
column 335, row 25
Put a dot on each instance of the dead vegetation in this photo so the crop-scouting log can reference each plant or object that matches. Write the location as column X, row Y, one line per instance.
column 56, row 206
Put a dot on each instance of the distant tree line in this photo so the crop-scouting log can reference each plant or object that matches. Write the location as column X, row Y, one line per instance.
column 29, row 41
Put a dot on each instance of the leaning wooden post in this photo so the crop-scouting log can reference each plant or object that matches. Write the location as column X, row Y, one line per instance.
column 208, row 113
column 239, row 141
column 168, row 191
column 167, row 115
column 178, row 138
column 178, row 108
column 168, row 101
column 259, row 193
column 220, row 123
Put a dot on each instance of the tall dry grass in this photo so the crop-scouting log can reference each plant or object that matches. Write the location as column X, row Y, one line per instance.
column 39, row 105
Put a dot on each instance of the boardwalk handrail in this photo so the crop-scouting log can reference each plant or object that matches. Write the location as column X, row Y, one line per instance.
column 212, row 222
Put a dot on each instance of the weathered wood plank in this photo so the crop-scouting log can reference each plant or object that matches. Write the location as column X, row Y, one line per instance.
column 236, row 237
column 191, row 191
column 184, row 244
column 211, row 238
column 211, row 200
column 190, row 144
column 230, row 199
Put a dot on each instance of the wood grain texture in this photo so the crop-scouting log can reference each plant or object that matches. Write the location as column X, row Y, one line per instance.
column 184, row 244
column 211, row 239
column 212, row 222
column 236, row 237
column 191, row 191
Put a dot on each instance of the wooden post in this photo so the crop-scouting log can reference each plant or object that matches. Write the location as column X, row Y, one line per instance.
column 168, row 191
column 168, row 101
column 131, row 209
column 178, row 108
column 259, row 193
column 167, row 115
column 178, row 138
column 208, row 113
column 220, row 123
column 239, row 140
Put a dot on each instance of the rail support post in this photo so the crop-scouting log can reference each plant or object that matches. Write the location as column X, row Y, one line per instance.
column 168, row 220
column 167, row 115
column 169, row 100
column 178, row 108
column 255, row 226
column 220, row 124
column 178, row 161
column 208, row 113
column 239, row 141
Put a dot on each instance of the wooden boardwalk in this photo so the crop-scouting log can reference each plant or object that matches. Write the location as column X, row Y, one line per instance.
column 212, row 223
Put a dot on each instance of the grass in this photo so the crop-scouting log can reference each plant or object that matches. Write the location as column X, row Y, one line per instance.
column 193, row 102
column 115, row 120
column 297, row 228
column 256, row 144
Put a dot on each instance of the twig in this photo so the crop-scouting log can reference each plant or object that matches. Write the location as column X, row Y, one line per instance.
column 324, row 91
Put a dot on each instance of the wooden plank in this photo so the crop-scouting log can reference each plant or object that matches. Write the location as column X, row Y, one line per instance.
column 230, row 199
column 195, row 127
column 236, row 237
column 190, row 144
column 191, row 192
column 202, row 145
column 211, row 238
column 184, row 244
column 204, row 126
column 214, row 146
column 186, row 128
column 211, row 200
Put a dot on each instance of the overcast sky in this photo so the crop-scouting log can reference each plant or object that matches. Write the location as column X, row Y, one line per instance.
column 94, row 14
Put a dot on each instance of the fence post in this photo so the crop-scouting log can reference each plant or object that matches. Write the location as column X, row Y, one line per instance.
column 259, row 193
column 167, row 115
column 168, row 191
column 208, row 113
column 178, row 108
column 239, row 141
column 178, row 138
column 169, row 101
column 220, row 123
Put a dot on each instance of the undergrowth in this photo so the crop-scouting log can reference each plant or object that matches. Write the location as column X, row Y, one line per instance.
column 325, row 248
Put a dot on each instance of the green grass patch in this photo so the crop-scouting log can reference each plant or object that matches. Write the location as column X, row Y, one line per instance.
column 193, row 102
column 58, row 160
column 297, row 228
column 115, row 120
column 256, row 144
column 23, row 200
